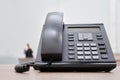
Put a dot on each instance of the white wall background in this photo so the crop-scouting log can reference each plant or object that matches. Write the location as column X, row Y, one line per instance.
column 21, row 21
column 118, row 24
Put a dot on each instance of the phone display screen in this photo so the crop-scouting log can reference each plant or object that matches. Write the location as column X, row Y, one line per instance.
column 77, row 29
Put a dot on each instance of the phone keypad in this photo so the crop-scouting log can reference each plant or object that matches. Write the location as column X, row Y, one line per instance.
column 88, row 49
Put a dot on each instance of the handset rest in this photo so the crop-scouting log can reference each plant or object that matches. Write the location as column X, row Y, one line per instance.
column 51, row 45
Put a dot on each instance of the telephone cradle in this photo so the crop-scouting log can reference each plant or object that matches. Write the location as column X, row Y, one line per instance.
column 71, row 47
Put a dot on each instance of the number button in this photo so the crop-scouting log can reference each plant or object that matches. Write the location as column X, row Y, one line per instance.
column 86, row 44
column 80, row 57
column 93, row 44
column 86, row 48
column 87, row 52
column 79, row 44
column 95, row 52
column 93, row 48
column 80, row 52
column 79, row 48
column 87, row 57
column 96, row 57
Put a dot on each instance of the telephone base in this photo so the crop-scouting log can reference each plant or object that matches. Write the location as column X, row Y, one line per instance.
column 80, row 67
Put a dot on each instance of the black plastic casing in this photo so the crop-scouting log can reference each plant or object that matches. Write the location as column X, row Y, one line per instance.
column 77, row 65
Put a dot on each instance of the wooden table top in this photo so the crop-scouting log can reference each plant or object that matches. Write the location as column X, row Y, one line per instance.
column 7, row 73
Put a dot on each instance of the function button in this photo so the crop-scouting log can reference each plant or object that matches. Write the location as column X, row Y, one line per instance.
column 95, row 57
column 99, row 35
column 93, row 44
column 103, row 51
column 85, row 35
column 80, row 52
column 79, row 48
column 71, row 57
column 70, row 34
column 71, row 52
column 102, row 47
column 79, row 44
column 90, row 37
column 101, row 43
column 71, row 48
column 70, row 39
column 86, row 44
column 87, row 57
column 95, row 52
column 80, row 37
column 93, row 48
column 104, row 56
column 80, row 57
column 71, row 44
column 86, row 48
column 99, row 38
column 87, row 52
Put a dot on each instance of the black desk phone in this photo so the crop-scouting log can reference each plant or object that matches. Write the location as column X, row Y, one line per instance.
column 71, row 47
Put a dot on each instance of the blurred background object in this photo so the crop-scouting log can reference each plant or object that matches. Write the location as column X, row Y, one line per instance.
column 28, row 55
column 28, row 52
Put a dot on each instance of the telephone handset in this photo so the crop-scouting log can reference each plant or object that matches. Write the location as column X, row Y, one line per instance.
column 51, row 47
column 71, row 47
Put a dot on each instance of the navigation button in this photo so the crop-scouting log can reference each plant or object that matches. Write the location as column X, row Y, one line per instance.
column 80, row 36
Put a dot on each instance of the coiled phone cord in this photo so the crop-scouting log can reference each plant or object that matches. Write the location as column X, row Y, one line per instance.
column 20, row 68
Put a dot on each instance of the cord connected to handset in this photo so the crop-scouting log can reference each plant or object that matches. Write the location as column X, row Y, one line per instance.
column 20, row 68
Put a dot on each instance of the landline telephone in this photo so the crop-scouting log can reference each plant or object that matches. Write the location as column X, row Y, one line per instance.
column 71, row 47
